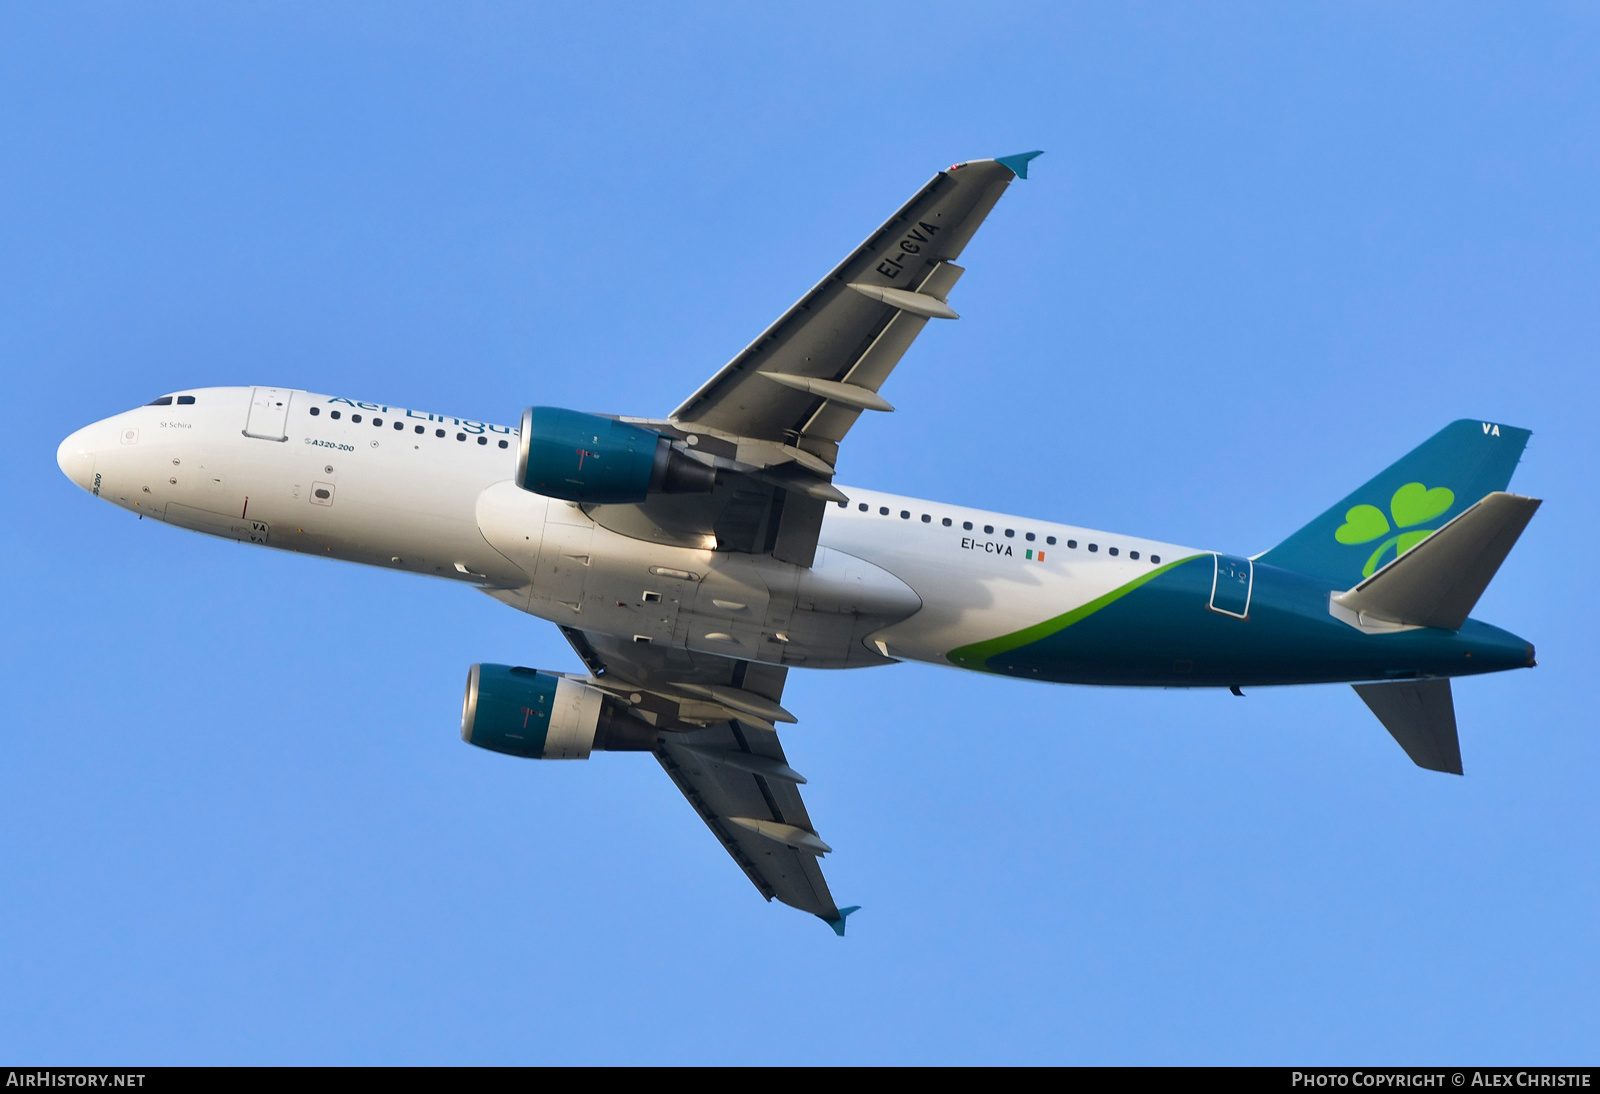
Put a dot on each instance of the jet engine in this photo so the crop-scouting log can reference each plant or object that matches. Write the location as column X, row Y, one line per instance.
column 586, row 458
column 542, row 716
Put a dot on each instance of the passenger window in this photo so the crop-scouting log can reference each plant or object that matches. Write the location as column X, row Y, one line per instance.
column 504, row 445
column 905, row 514
column 400, row 426
column 483, row 440
column 1111, row 550
column 926, row 519
column 1155, row 559
column 1094, row 546
column 967, row 524
column 419, row 430
column 883, row 510
column 334, row 414
column 946, row 522
column 165, row 400
column 1010, row 534
column 378, row 422
column 1072, row 543
column 186, row 400
column 988, row 529
column 1134, row 555
column 461, row 436
column 436, row 432
column 315, row 411
column 863, row 507
column 1029, row 537
column 1051, row 540
column 355, row 418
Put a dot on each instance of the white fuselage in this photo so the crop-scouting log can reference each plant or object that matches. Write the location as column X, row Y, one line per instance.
column 894, row 578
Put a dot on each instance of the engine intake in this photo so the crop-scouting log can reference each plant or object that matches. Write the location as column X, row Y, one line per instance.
column 541, row 716
column 586, row 458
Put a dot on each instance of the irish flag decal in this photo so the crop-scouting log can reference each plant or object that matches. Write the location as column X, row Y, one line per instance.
column 1036, row 557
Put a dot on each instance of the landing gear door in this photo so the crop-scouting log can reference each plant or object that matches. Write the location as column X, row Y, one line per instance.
column 269, row 414
column 1231, row 585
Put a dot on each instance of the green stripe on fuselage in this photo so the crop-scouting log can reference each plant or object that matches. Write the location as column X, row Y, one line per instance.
column 1159, row 631
column 976, row 655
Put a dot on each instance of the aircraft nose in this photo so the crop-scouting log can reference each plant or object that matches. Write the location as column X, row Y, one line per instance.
column 75, row 457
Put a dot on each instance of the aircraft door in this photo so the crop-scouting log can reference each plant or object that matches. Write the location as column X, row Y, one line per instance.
column 1231, row 585
column 269, row 414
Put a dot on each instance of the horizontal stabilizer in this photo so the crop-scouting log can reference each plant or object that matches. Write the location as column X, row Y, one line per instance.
column 1437, row 582
column 1421, row 716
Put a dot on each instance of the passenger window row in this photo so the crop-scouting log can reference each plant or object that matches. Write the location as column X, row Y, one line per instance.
column 419, row 430
column 988, row 529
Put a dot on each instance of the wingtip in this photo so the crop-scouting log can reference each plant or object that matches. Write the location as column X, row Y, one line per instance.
column 837, row 923
column 1018, row 163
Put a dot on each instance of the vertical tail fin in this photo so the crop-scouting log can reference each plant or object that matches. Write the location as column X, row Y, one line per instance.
column 1404, row 504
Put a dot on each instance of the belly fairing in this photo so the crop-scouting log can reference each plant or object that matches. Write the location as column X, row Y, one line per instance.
column 1164, row 633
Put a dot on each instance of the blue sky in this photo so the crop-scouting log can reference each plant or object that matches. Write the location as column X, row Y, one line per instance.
column 1268, row 251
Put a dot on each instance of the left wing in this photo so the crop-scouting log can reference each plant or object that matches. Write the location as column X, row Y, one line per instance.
column 718, row 743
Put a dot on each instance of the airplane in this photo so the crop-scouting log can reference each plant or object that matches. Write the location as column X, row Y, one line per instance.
column 693, row 560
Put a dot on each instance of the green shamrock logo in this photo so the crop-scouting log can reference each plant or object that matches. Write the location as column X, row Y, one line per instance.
column 1412, row 504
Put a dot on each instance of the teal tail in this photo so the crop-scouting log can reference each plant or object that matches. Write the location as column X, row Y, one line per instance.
column 1405, row 504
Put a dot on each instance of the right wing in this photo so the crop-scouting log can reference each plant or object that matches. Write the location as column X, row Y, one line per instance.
column 718, row 743
column 771, row 419
column 807, row 378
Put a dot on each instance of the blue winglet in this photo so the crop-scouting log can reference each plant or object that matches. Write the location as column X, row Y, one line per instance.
column 1018, row 163
column 838, row 923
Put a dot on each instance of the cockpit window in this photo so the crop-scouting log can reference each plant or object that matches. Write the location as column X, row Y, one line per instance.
column 186, row 400
column 165, row 400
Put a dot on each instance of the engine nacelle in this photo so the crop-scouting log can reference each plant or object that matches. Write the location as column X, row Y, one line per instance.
column 525, row 712
column 586, row 458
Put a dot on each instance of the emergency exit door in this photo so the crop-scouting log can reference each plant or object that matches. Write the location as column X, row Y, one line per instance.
column 269, row 414
column 1231, row 585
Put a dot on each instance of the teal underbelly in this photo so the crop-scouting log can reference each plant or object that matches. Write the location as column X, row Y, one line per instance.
column 1165, row 633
